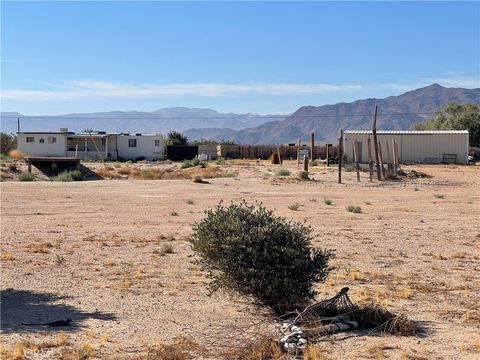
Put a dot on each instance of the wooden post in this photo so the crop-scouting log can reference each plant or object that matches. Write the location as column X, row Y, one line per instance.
column 326, row 151
column 298, row 153
column 312, row 146
column 279, row 156
column 355, row 154
column 375, row 143
column 395, row 154
column 395, row 173
column 389, row 160
column 305, row 164
column 29, row 162
column 340, row 156
column 76, row 151
column 85, row 149
column 370, row 160
column 106, row 147
column 381, row 161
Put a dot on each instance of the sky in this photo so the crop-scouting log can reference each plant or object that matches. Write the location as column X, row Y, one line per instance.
column 243, row 57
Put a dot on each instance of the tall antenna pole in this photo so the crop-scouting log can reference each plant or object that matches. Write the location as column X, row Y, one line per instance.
column 18, row 124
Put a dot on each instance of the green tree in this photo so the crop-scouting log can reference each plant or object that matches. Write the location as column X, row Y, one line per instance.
column 456, row 117
column 176, row 138
column 7, row 142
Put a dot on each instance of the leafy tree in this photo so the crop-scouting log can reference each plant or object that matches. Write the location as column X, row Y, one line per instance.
column 8, row 142
column 456, row 117
column 176, row 138
column 250, row 250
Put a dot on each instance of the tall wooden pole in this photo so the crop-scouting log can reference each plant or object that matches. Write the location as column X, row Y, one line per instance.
column 355, row 154
column 375, row 143
column 340, row 156
column 370, row 160
column 381, row 161
column 312, row 146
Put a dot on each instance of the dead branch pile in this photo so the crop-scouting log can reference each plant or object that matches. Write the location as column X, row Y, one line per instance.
column 336, row 314
column 413, row 174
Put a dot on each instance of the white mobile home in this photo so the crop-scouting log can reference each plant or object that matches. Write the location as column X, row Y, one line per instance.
column 94, row 146
column 421, row 147
column 43, row 143
column 134, row 146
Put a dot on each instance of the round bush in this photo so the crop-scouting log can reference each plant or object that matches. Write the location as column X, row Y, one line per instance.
column 249, row 249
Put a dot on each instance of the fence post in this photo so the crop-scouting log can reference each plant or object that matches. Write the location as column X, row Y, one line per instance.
column 370, row 160
column 312, row 146
column 355, row 153
column 375, row 143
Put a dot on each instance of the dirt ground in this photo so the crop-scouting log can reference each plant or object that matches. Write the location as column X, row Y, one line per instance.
column 97, row 252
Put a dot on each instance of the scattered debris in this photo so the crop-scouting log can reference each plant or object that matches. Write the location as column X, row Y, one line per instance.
column 337, row 314
column 413, row 174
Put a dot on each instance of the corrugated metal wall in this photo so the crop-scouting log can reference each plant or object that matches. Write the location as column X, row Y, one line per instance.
column 414, row 147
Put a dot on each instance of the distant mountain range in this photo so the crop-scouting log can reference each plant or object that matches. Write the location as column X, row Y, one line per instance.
column 394, row 113
column 160, row 121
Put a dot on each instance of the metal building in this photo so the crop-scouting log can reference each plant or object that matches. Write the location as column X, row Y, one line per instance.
column 420, row 147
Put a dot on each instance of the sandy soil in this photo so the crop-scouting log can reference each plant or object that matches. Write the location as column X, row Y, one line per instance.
column 92, row 251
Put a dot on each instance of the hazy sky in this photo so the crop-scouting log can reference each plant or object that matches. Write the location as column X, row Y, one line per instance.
column 263, row 57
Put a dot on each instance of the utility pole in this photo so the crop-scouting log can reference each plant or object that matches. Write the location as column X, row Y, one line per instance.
column 18, row 125
column 340, row 156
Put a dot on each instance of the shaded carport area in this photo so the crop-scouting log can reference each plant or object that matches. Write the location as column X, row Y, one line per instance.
column 52, row 165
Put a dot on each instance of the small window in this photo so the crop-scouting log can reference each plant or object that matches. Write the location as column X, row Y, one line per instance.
column 54, row 139
column 157, row 142
column 51, row 139
column 41, row 141
column 30, row 139
column 132, row 142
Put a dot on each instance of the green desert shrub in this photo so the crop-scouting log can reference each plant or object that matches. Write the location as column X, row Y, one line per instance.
column 248, row 249
column 196, row 162
column 283, row 172
column 187, row 164
column 25, row 176
column 328, row 201
column 220, row 161
column 72, row 175
column 354, row 209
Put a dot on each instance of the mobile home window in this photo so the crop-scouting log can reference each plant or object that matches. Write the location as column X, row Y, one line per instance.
column 132, row 142
column 52, row 139
column 30, row 139
column 41, row 141
column 157, row 142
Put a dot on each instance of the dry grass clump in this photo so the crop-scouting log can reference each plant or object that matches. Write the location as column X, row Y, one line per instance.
column 295, row 206
column 41, row 248
column 124, row 170
column 381, row 320
column 16, row 154
column 7, row 256
column 262, row 348
column 27, row 346
column 166, row 249
column 182, row 349
column 197, row 179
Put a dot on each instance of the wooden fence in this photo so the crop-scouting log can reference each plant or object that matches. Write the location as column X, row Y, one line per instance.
column 266, row 151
